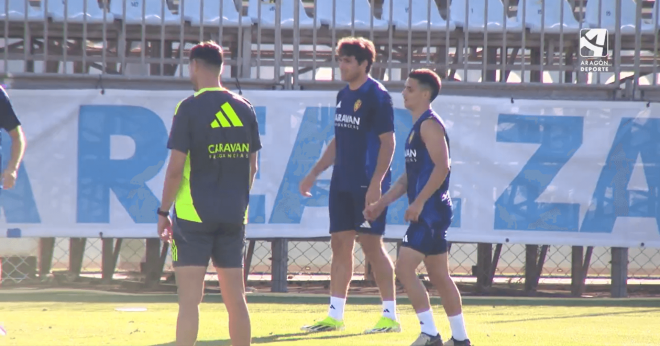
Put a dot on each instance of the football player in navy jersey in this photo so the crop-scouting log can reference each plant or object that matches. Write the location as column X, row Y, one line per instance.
column 361, row 153
column 426, row 182
column 9, row 122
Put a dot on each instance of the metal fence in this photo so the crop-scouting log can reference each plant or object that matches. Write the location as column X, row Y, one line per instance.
column 501, row 41
column 517, row 48
column 309, row 261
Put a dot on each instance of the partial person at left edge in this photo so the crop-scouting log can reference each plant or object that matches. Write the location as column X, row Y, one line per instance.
column 9, row 121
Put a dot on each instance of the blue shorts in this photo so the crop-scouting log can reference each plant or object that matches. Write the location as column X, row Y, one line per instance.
column 427, row 238
column 346, row 213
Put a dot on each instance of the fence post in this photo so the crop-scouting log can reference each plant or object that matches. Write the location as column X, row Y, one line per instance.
column 531, row 256
column 46, row 249
column 576, row 270
column 246, row 54
column 619, row 288
column 280, row 265
column 152, row 272
column 76, row 255
column 484, row 263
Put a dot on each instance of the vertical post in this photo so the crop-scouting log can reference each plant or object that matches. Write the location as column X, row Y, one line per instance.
column 107, row 260
column 288, row 81
column 76, row 255
column 248, row 261
column 576, row 270
column 280, row 250
column 568, row 61
column 531, row 255
column 296, row 40
column 490, row 74
column 619, row 288
column 246, row 53
column 153, row 259
column 46, row 249
column 278, row 44
column 535, row 75
column 484, row 262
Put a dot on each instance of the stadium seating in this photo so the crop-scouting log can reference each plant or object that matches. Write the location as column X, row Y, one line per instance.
column 535, row 13
column 607, row 16
column 651, row 28
column 153, row 12
column 418, row 11
column 211, row 13
column 344, row 15
column 478, row 20
column 267, row 18
column 75, row 12
column 16, row 12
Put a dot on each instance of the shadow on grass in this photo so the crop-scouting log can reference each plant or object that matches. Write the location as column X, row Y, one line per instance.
column 579, row 316
column 271, row 339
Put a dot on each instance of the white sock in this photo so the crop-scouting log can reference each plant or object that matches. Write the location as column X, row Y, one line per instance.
column 336, row 309
column 427, row 323
column 389, row 309
column 457, row 327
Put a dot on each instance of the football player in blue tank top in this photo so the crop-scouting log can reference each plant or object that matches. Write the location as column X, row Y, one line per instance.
column 361, row 153
column 426, row 182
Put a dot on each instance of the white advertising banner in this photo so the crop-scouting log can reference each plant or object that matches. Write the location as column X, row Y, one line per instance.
column 528, row 171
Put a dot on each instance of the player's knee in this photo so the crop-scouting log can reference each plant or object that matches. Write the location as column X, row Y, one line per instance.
column 342, row 243
column 190, row 300
column 404, row 269
column 442, row 275
column 399, row 271
column 371, row 246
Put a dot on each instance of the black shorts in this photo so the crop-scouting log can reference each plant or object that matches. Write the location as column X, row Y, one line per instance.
column 194, row 244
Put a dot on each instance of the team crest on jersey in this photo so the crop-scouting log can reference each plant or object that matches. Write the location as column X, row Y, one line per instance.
column 357, row 105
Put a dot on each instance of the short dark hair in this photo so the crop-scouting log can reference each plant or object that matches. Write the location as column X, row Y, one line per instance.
column 428, row 79
column 208, row 52
column 358, row 47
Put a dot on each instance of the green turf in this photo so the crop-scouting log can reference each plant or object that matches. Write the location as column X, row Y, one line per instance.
column 89, row 318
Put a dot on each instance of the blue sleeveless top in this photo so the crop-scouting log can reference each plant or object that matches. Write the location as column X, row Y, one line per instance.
column 438, row 209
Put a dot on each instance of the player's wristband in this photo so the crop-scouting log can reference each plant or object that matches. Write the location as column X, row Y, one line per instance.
column 162, row 213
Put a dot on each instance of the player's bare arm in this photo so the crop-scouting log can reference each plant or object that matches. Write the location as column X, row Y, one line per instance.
column 433, row 135
column 397, row 190
column 254, row 167
column 326, row 160
column 18, row 145
column 173, row 177
column 385, row 154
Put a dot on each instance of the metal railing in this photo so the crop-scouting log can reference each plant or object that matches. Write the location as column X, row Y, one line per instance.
column 309, row 263
column 504, row 41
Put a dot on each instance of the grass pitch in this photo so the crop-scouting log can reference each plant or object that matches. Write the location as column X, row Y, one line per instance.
column 90, row 318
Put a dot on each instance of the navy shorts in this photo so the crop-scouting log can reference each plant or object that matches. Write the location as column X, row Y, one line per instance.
column 194, row 244
column 346, row 213
column 427, row 238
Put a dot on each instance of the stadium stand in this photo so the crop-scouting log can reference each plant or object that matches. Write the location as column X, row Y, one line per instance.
column 514, row 41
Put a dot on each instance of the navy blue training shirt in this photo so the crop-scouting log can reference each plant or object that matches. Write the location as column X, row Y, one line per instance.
column 418, row 169
column 8, row 119
column 360, row 117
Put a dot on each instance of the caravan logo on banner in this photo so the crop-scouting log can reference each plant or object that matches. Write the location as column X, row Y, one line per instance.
column 536, row 172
